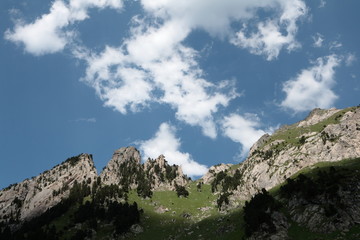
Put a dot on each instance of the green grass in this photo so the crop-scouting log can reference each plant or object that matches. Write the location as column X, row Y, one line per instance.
column 169, row 199
column 208, row 224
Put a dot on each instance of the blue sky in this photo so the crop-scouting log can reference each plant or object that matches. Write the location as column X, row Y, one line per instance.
column 198, row 81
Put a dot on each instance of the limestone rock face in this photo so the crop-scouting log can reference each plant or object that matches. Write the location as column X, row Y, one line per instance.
column 324, row 136
column 123, row 161
column 32, row 197
column 125, row 168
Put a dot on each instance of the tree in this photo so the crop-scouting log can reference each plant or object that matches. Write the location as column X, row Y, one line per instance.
column 258, row 211
column 302, row 140
column 181, row 191
column 198, row 186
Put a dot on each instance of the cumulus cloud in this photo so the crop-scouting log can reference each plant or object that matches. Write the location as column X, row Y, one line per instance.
column 274, row 34
column 165, row 142
column 49, row 33
column 312, row 88
column 318, row 40
column 244, row 130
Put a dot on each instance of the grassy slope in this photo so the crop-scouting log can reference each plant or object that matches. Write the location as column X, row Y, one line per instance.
column 201, row 225
column 159, row 226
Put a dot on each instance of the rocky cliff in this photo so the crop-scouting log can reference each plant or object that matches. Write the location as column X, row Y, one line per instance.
column 34, row 196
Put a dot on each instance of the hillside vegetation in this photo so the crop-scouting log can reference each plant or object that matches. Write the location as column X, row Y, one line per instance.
column 283, row 211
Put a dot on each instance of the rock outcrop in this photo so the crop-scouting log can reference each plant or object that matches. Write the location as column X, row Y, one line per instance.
column 32, row 197
column 125, row 168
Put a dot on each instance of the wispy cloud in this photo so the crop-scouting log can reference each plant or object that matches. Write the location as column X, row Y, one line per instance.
column 165, row 142
column 88, row 120
column 318, row 40
column 312, row 88
column 350, row 59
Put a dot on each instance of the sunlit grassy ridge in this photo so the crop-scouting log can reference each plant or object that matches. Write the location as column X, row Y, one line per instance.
column 290, row 134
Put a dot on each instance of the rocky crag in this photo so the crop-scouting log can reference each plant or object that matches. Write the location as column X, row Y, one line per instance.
column 32, row 197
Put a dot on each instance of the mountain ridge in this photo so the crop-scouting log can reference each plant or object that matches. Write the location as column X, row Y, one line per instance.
column 324, row 136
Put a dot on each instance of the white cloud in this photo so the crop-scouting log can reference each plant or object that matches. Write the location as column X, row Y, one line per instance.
column 312, row 88
column 242, row 129
column 165, row 142
column 270, row 39
column 44, row 35
column 318, row 40
column 118, row 85
column 48, row 34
